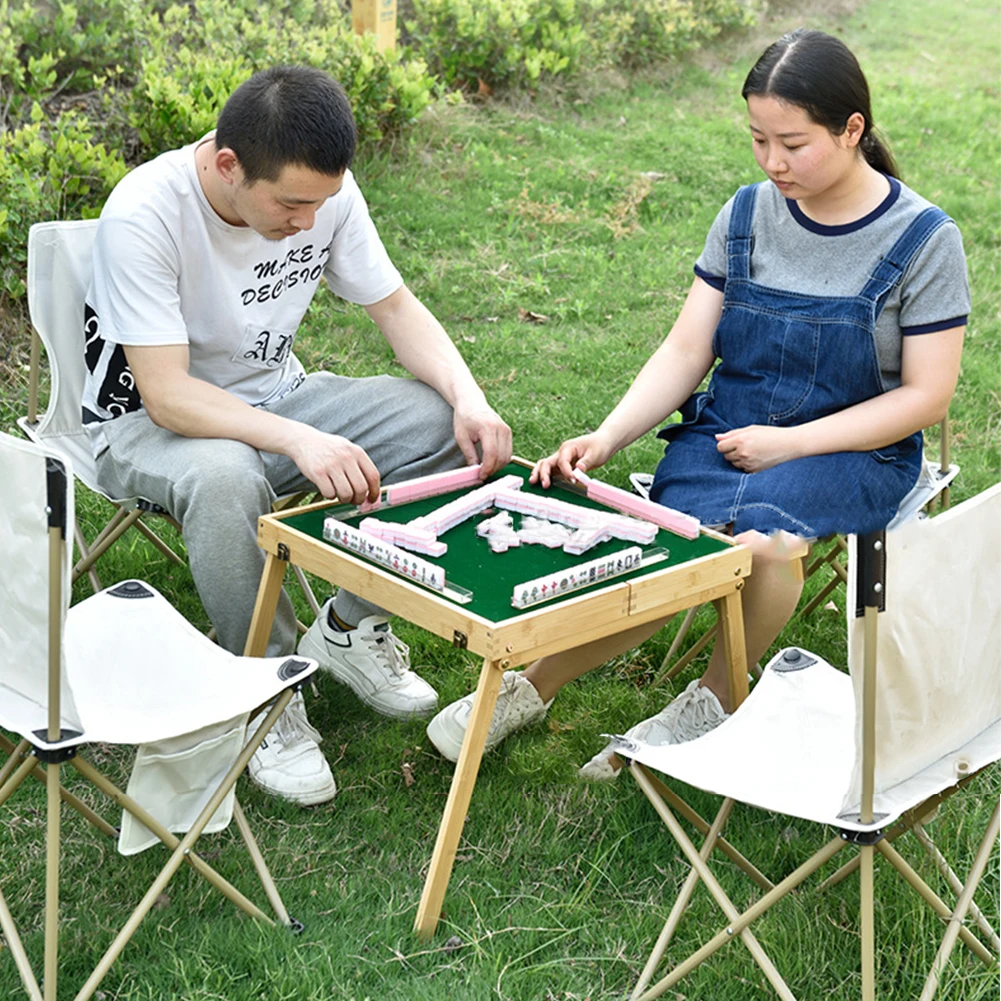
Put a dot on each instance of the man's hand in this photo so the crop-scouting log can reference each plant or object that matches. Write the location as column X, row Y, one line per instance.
column 337, row 467
column 481, row 425
column 589, row 451
column 757, row 446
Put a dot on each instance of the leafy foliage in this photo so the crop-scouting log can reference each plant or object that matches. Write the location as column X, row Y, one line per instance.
column 516, row 43
column 49, row 169
column 640, row 32
column 198, row 57
column 499, row 42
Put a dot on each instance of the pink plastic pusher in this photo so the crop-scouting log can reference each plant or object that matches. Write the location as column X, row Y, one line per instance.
column 426, row 486
column 674, row 521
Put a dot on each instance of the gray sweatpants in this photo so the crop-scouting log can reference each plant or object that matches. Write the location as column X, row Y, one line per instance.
column 217, row 488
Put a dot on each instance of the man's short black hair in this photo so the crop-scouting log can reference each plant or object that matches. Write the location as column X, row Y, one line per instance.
column 288, row 115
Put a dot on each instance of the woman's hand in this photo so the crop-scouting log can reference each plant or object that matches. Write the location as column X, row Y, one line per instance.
column 757, row 446
column 589, row 451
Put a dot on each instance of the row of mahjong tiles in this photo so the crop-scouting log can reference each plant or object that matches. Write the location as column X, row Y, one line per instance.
column 469, row 564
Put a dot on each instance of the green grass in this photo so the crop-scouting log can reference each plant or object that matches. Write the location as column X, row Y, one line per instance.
column 560, row 887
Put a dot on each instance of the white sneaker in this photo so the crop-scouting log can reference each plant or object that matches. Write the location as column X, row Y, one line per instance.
column 372, row 662
column 518, row 704
column 693, row 713
column 289, row 763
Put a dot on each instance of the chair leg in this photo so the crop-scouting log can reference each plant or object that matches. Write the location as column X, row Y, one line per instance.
column 67, row 797
column 120, row 523
column 263, row 873
column 158, row 542
column 956, row 918
column 699, row 823
column 81, row 543
column 953, row 880
column 679, row 637
column 300, row 576
column 19, row 774
column 932, row 899
column 737, row 923
column 838, row 546
column 183, row 850
column 15, row 770
column 15, row 755
column 674, row 918
column 52, row 833
column 17, row 952
column 687, row 657
column 868, row 930
column 169, row 839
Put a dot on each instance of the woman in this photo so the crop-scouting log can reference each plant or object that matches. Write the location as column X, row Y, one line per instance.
column 835, row 299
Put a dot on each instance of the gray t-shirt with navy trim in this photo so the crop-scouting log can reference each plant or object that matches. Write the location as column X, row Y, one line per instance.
column 795, row 254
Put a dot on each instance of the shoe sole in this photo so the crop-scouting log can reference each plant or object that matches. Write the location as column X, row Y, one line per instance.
column 324, row 795
column 443, row 743
column 309, row 648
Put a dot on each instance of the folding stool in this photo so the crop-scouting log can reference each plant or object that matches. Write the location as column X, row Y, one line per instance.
column 120, row 667
column 873, row 753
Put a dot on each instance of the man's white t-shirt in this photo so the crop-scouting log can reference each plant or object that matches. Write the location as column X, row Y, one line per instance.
column 169, row 270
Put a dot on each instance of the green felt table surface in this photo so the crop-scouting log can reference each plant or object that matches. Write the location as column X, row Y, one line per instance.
column 492, row 577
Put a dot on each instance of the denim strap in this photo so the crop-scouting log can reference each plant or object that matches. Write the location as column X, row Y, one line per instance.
column 738, row 237
column 891, row 266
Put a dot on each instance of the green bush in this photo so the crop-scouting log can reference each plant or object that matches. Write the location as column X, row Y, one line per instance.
column 63, row 48
column 168, row 91
column 49, row 169
column 201, row 53
column 506, row 43
column 635, row 33
column 515, row 43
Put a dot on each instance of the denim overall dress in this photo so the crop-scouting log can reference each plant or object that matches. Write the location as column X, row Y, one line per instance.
column 786, row 359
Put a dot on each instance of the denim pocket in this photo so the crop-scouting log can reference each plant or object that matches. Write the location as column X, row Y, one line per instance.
column 798, row 347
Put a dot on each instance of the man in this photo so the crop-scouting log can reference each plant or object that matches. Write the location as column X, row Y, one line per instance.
column 205, row 261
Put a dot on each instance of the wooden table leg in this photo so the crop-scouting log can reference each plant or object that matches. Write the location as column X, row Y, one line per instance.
column 454, row 817
column 264, row 608
column 731, row 624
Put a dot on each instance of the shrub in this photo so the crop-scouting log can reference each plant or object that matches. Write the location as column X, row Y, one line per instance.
column 48, row 170
column 48, row 49
column 634, row 33
column 505, row 43
column 200, row 54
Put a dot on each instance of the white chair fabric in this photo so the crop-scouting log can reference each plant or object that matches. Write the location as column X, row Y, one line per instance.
column 134, row 671
column 59, row 271
column 938, row 644
column 24, row 590
column 938, row 701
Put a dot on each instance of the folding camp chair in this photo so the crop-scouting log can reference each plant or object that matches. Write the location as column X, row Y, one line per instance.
column 120, row 667
column 872, row 754
column 933, row 486
column 59, row 270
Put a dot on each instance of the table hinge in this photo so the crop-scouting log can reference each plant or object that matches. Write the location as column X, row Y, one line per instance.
column 283, row 553
column 460, row 639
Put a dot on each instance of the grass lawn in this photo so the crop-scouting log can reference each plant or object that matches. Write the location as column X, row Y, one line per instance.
column 586, row 210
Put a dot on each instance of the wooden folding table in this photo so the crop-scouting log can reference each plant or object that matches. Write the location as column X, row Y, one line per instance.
column 709, row 568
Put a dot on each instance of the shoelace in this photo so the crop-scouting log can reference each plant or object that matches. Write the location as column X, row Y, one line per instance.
column 507, row 704
column 699, row 710
column 293, row 723
column 393, row 652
